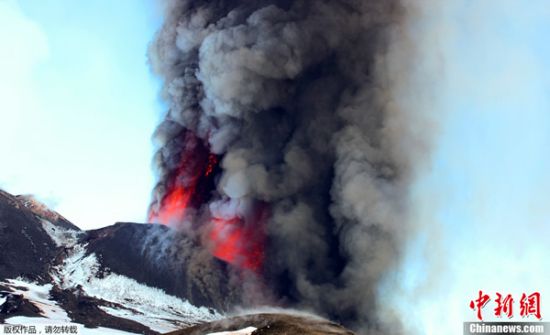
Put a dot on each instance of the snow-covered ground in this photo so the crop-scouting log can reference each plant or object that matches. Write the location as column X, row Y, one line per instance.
column 60, row 236
column 149, row 306
column 129, row 299
column 39, row 295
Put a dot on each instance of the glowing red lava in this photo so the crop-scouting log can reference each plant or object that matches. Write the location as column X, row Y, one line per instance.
column 239, row 240
column 173, row 207
column 238, row 243
column 188, row 185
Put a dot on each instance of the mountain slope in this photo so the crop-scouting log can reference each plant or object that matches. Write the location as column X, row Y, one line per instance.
column 26, row 249
column 161, row 257
column 95, row 279
column 127, row 278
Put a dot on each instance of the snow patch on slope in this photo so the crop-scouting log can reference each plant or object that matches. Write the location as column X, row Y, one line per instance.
column 38, row 295
column 60, row 236
column 149, row 306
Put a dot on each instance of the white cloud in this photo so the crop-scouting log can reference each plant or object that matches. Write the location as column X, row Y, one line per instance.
column 24, row 45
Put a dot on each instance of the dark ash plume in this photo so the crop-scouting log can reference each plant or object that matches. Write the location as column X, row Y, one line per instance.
column 299, row 101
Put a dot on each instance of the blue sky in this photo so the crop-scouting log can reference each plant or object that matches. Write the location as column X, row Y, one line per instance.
column 78, row 106
column 482, row 209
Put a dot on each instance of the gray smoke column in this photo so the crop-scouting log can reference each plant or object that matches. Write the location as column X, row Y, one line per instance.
column 300, row 108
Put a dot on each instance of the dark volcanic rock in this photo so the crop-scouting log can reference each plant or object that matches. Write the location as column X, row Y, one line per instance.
column 160, row 257
column 27, row 250
column 85, row 310
column 41, row 210
column 16, row 305
column 270, row 324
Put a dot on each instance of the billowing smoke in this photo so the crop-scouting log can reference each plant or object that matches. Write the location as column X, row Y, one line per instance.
column 289, row 144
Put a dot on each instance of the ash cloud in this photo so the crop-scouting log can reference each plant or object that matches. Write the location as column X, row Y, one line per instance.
column 310, row 105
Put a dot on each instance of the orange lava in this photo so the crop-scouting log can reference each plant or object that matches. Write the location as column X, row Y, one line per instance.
column 236, row 243
column 173, row 206
column 195, row 162
column 212, row 161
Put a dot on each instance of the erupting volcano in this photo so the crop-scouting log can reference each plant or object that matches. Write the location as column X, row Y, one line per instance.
column 236, row 236
column 284, row 151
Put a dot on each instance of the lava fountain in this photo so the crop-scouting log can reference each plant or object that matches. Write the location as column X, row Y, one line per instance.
column 234, row 236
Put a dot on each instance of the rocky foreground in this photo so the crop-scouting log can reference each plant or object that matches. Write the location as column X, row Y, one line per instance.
column 267, row 324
